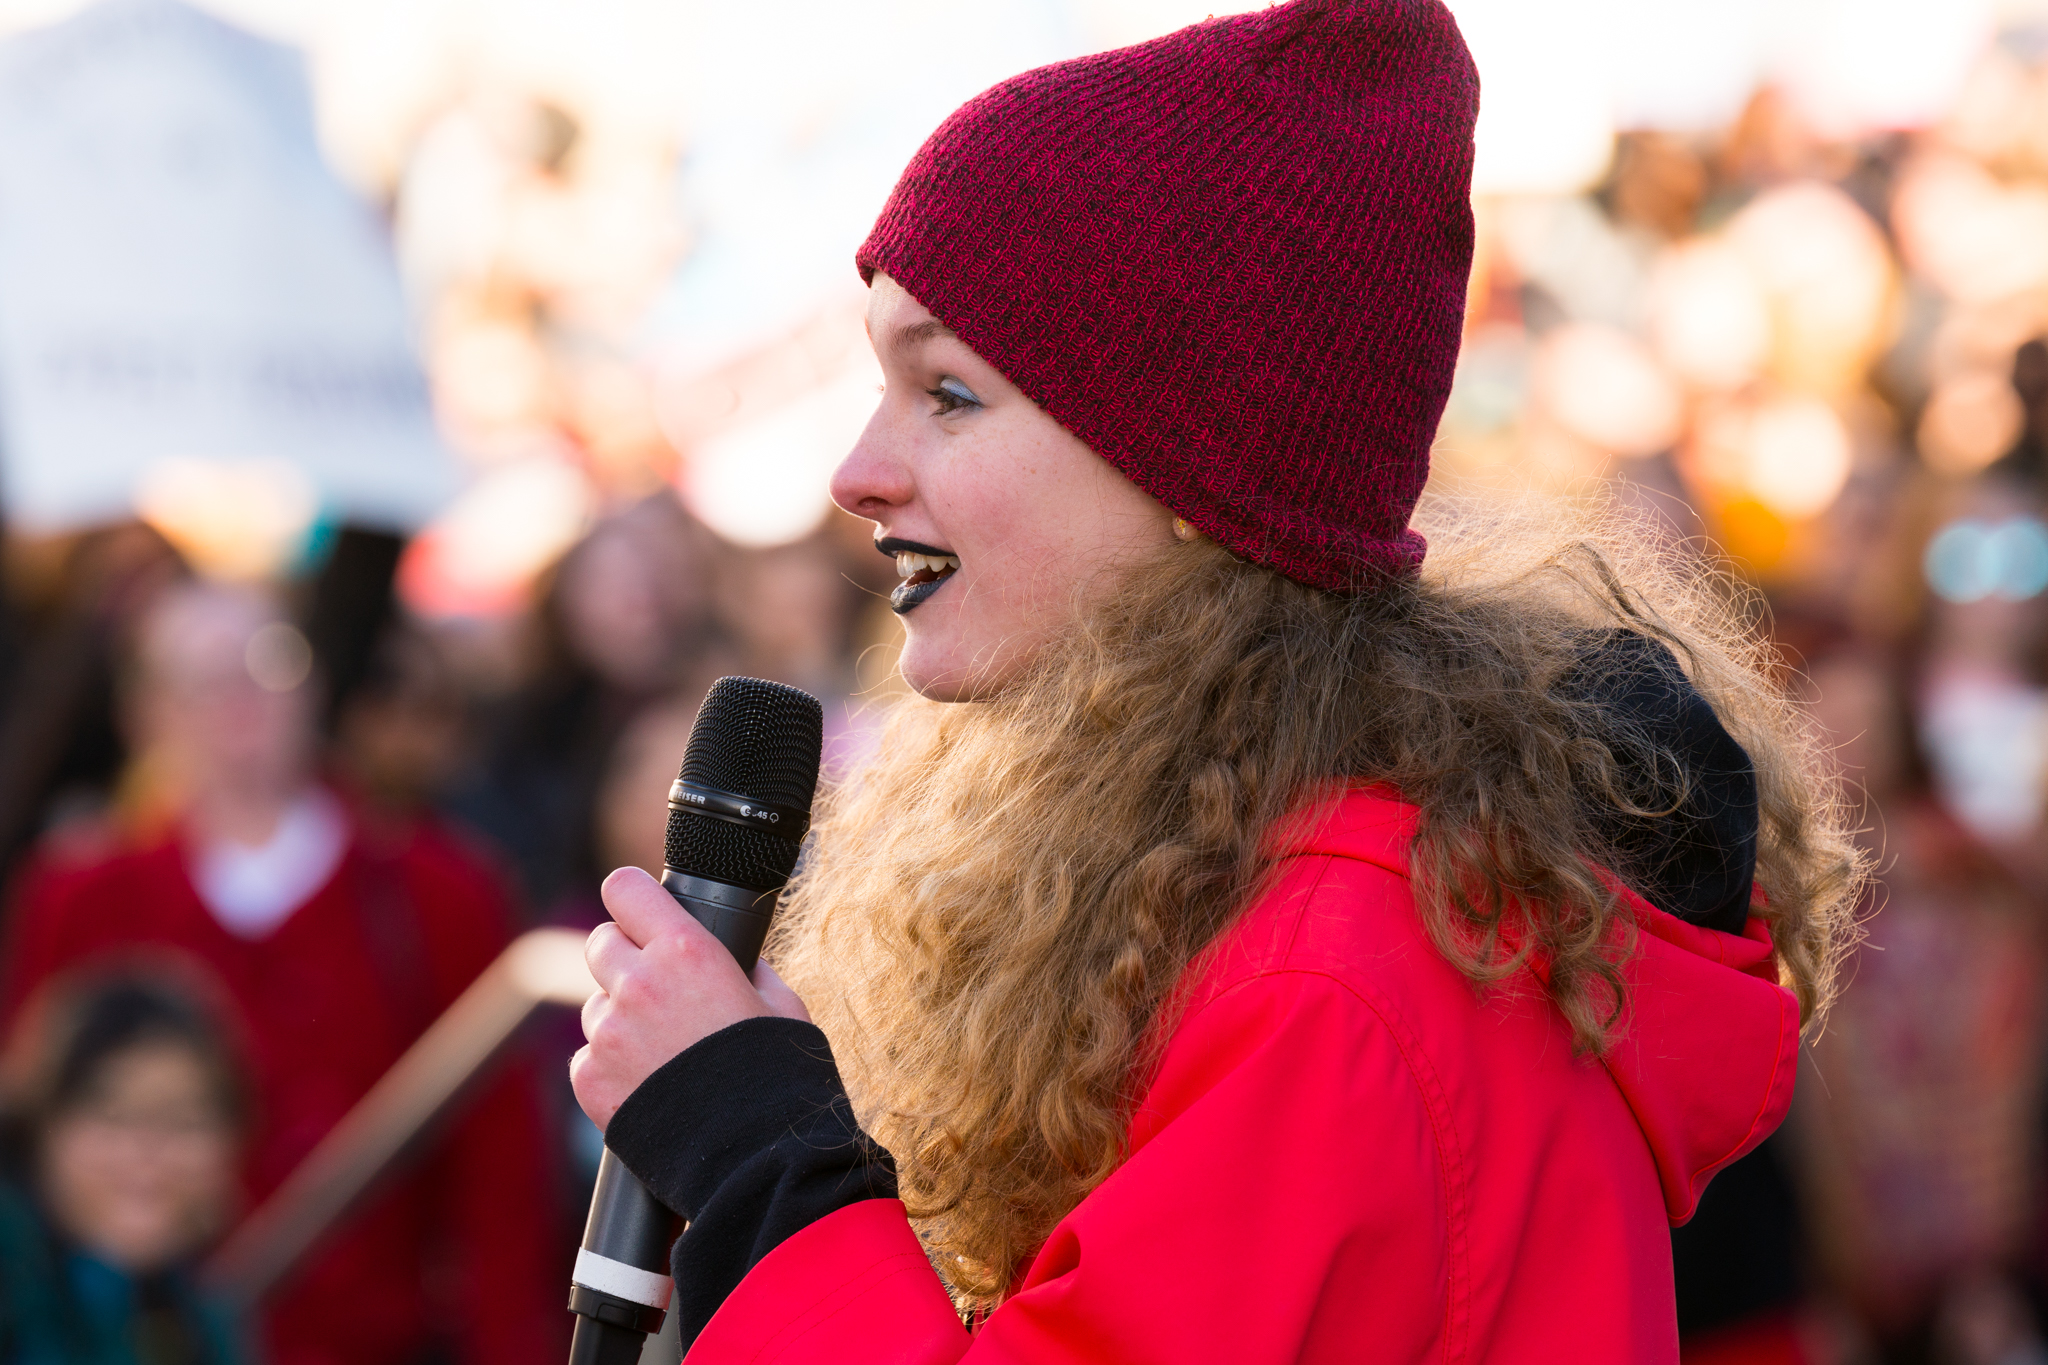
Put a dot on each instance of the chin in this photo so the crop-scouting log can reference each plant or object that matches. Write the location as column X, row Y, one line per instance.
column 937, row 686
column 936, row 676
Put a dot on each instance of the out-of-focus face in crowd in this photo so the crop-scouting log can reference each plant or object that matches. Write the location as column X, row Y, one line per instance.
column 221, row 701
column 126, row 1103
column 634, row 593
column 787, row 607
column 140, row 1168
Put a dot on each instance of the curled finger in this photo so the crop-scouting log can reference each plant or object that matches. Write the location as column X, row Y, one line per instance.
column 608, row 953
column 594, row 1011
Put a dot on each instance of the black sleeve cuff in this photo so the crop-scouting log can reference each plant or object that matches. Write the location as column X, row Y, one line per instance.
column 749, row 1135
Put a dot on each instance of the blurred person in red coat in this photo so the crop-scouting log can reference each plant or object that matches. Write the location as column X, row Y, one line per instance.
column 338, row 937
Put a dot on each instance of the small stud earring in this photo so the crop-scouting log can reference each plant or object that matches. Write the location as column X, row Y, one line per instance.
column 1183, row 531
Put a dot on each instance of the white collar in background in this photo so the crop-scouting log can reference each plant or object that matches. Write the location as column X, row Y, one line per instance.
column 251, row 890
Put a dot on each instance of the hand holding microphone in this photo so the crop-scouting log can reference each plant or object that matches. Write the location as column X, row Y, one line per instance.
column 673, row 969
column 664, row 983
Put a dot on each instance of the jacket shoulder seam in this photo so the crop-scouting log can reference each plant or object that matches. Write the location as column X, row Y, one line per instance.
column 1391, row 866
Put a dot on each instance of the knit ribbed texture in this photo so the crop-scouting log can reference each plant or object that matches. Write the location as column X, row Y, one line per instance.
column 1231, row 260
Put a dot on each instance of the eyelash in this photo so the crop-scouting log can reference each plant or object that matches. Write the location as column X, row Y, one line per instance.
column 949, row 401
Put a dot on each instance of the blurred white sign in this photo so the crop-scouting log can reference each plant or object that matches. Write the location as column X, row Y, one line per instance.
column 182, row 279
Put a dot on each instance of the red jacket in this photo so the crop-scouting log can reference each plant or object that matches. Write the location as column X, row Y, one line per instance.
column 1348, row 1153
column 321, row 1015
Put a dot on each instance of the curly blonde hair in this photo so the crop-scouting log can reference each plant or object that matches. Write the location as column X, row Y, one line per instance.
column 996, row 909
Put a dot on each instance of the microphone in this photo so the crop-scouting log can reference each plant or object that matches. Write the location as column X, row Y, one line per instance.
column 736, row 816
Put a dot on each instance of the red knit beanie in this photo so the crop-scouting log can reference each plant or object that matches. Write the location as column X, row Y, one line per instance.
column 1231, row 260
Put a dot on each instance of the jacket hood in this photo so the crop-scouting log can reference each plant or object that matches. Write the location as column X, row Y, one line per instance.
column 1707, row 1049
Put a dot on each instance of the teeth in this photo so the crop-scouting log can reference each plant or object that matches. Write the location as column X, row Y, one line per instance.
column 908, row 563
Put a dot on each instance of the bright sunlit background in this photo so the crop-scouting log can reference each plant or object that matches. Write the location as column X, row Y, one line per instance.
column 475, row 299
column 625, row 227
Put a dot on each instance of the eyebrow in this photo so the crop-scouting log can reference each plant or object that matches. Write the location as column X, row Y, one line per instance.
column 917, row 333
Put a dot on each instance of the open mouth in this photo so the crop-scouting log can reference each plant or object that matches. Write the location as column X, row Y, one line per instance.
column 923, row 569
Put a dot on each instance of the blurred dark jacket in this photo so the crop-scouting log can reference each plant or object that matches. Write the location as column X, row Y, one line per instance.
column 60, row 1306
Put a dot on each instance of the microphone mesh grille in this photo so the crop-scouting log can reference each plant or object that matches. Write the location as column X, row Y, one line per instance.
column 752, row 738
column 757, row 738
column 721, row 851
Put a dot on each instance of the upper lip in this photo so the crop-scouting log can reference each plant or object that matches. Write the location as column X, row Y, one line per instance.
column 894, row 545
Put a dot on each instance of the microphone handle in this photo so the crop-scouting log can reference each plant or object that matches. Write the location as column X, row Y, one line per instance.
column 620, row 1288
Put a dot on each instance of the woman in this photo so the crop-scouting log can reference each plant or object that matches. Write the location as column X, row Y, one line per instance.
column 125, row 1114
column 1237, row 954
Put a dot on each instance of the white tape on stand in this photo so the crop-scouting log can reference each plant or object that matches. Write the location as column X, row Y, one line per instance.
column 626, row 1281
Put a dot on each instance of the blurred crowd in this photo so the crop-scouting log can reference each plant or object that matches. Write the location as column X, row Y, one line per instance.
column 259, row 835
column 259, row 829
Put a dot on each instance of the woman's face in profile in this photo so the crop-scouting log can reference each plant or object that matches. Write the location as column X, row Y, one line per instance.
column 1000, row 519
column 141, row 1169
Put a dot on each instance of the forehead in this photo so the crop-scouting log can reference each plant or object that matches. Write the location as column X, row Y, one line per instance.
column 896, row 321
column 153, row 1068
column 201, row 631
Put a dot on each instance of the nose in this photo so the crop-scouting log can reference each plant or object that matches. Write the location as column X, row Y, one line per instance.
column 874, row 480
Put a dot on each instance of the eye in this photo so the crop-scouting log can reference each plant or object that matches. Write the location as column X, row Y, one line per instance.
column 951, row 396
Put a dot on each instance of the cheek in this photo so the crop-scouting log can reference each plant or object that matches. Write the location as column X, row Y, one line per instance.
column 203, row 1169
column 1014, row 577
column 82, row 1165
column 1039, row 522
column 1012, row 519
